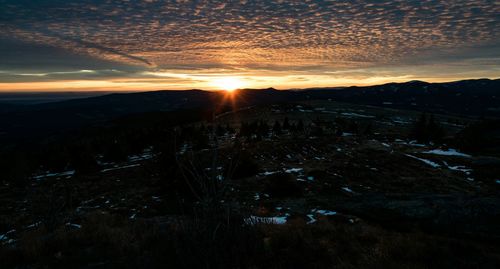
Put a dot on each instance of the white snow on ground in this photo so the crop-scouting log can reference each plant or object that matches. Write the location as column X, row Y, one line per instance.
column 314, row 212
column 183, row 149
column 357, row 115
column 61, row 174
column 412, row 143
column 256, row 197
column 324, row 212
column 267, row 173
column 448, row 152
column 401, row 121
column 120, row 167
column 4, row 236
column 73, row 225
column 347, row 189
column 146, row 155
column 459, row 168
column 252, row 220
column 431, row 163
column 4, row 239
column 294, row 170
column 415, row 144
column 36, row 224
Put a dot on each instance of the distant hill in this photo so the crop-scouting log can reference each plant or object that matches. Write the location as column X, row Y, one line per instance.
column 10, row 107
column 470, row 97
column 32, row 98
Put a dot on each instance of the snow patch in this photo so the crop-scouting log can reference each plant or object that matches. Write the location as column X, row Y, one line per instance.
column 120, row 167
column 146, row 155
column 61, row 174
column 267, row 173
column 312, row 219
column 347, row 189
column 73, row 225
column 253, row 220
column 294, row 170
column 459, row 168
column 431, row 163
column 324, row 212
column 36, row 224
column 4, row 236
column 357, row 115
column 448, row 152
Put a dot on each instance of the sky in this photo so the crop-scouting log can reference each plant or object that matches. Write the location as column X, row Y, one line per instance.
column 90, row 45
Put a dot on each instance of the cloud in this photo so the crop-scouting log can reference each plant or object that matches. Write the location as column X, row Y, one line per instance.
column 294, row 36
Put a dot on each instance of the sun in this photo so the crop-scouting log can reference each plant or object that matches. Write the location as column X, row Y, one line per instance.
column 228, row 84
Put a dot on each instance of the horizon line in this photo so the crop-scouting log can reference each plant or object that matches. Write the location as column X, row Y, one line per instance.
column 246, row 88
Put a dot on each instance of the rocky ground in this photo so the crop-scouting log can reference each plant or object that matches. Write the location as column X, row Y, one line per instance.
column 370, row 189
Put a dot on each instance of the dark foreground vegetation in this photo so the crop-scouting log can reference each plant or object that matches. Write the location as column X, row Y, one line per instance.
column 302, row 184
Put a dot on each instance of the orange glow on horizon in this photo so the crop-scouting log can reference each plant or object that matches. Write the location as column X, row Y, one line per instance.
column 208, row 82
column 228, row 84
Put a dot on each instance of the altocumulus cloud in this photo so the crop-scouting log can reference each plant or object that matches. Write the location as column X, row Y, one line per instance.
column 304, row 37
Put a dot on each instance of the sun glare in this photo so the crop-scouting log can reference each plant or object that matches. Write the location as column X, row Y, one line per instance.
column 228, row 83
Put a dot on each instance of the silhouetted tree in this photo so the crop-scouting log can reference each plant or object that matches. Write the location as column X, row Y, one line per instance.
column 229, row 129
column 419, row 131
column 220, row 131
column 263, row 128
column 245, row 166
column 115, row 152
column 368, row 129
column 277, row 128
column 436, row 132
column 426, row 129
column 286, row 124
column 300, row 126
column 83, row 160
column 281, row 185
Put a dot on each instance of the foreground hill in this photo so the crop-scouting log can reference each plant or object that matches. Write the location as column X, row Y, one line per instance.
column 313, row 184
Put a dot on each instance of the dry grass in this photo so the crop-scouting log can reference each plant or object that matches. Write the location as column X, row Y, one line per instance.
column 113, row 242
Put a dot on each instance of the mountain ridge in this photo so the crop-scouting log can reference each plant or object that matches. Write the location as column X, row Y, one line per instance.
column 474, row 98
